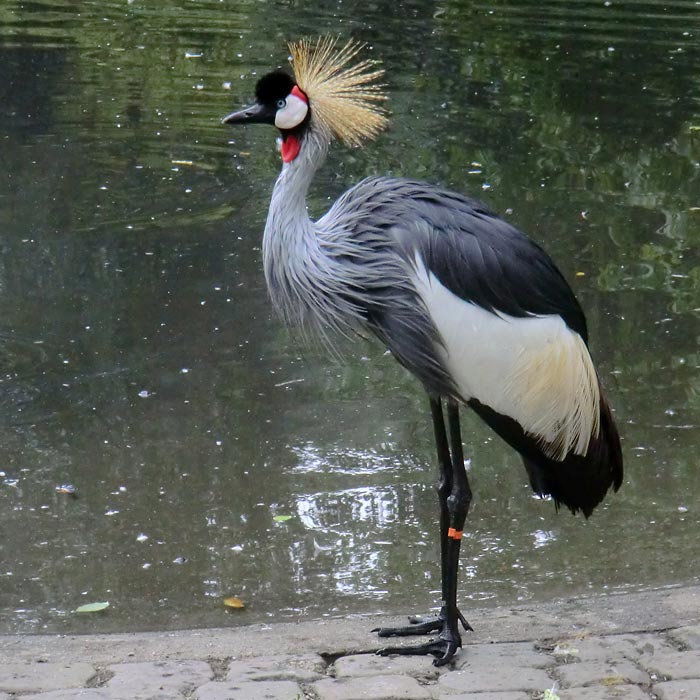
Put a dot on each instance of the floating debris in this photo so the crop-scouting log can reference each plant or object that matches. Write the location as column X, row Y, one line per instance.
column 67, row 490
column 92, row 607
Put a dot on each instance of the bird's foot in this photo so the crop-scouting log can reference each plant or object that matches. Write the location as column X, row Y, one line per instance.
column 443, row 648
column 420, row 626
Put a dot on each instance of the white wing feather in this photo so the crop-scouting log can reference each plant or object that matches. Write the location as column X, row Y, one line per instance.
column 534, row 369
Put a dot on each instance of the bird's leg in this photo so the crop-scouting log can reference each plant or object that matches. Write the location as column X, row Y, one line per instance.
column 444, row 488
column 458, row 503
column 454, row 480
column 454, row 495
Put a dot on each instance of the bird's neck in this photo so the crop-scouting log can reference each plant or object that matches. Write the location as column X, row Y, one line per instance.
column 291, row 248
column 288, row 205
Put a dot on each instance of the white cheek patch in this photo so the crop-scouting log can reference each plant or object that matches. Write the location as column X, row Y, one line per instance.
column 292, row 114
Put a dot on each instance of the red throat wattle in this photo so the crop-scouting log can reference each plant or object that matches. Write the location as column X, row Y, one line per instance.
column 290, row 148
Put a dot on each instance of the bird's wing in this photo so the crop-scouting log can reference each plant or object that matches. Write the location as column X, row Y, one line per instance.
column 533, row 369
column 496, row 314
column 480, row 257
column 480, row 313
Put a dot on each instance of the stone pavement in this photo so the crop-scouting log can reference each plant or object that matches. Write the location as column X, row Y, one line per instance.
column 643, row 646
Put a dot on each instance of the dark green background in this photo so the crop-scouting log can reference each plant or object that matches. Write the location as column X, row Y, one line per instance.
column 139, row 360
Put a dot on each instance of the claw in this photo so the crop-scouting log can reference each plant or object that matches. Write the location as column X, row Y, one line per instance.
column 415, row 627
column 419, row 625
column 450, row 651
column 442, row 649
column 465, row 624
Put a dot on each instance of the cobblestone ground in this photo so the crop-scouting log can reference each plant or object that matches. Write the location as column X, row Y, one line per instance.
column 663, row 665
column 572, row 650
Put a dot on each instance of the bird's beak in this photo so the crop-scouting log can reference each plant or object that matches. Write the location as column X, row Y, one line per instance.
column 255, row 114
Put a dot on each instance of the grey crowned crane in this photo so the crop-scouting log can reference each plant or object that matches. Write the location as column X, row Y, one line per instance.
column 473, row 308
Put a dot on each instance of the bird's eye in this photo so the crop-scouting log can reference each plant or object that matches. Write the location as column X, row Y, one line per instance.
column 291, row 112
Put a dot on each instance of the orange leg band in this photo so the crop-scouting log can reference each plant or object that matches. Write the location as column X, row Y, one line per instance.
column 454, row 534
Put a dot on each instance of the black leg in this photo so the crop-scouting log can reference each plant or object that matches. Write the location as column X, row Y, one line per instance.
column 444, row 486
column 454, row 495
column 458, row 503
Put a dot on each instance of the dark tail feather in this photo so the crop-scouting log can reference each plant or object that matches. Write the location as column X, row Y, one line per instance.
column 578, row 482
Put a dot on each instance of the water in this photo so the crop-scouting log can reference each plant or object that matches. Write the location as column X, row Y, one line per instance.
column 140, row 362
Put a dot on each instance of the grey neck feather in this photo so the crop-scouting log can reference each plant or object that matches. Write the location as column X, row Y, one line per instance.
column 288, row 223
column 341, row 273
column 306, row 284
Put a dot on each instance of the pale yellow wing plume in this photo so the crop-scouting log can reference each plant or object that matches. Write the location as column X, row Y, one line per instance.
column 344, row 99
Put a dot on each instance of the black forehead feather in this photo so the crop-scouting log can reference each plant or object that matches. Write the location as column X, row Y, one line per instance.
column 274, row 86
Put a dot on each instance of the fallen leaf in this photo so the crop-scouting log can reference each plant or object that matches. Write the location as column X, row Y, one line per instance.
column 613, row 680
column 235, row 603
column 282, row 518
column 193, row 164
column 92, row 607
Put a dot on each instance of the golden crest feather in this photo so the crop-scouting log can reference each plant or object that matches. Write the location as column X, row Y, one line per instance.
column 344, row 99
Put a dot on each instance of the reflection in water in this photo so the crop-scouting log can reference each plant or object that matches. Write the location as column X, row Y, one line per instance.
column 347, row 461
column 541, row 538
column 139, row 361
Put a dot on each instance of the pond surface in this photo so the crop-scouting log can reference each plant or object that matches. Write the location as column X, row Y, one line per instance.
column 140, row 362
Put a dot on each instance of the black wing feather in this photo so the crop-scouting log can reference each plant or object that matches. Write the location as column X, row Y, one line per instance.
column 474, row 253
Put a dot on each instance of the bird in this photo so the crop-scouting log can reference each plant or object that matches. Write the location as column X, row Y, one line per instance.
column 477, row 311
